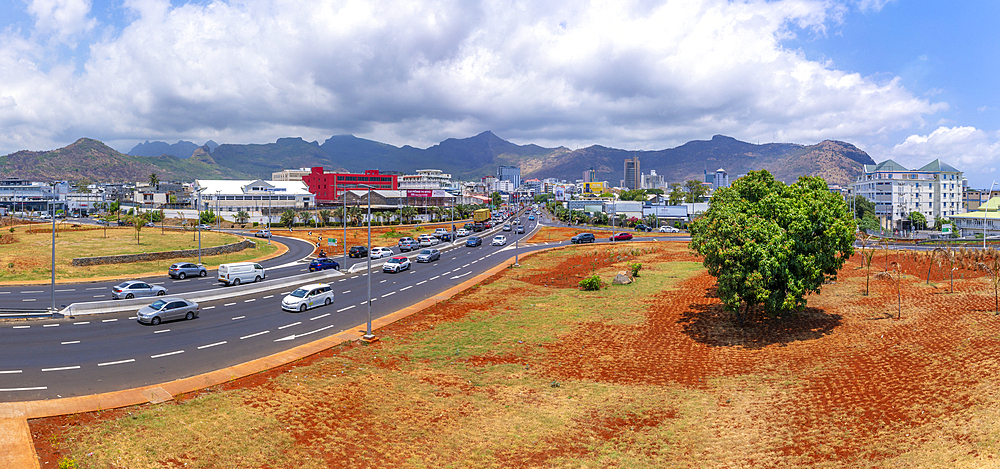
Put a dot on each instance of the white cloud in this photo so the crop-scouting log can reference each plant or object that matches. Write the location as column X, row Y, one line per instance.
column 969, row 149
column 634, row 74
column 63, row 20
column 872, row 5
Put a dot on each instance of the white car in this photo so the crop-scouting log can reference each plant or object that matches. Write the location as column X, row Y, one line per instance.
column 378, row 253
column 462, row 232
column 499, row 240
column 427, row 241
column 440, row 232
column 308, row 296
column 668, row 229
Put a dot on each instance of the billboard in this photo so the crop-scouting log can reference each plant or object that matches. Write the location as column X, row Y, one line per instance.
column 427, row 193
column 593, row 188
column 666, row 211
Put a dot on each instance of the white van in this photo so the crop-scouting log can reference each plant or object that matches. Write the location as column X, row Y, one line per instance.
column 240, row 272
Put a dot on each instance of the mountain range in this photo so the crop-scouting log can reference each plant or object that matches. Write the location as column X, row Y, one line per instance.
column 468, row 158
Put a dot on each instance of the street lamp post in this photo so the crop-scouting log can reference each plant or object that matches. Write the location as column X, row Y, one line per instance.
column 53, row 285
column 218, row 210
column 343, row 218
column 368, row 335
column 198, row 226
column 987, row 211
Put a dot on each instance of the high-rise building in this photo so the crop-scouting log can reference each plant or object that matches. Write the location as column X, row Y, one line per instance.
column 590, row 175
column 510, row 173
column 934, row 190
column 633, row 177
column 652, row 180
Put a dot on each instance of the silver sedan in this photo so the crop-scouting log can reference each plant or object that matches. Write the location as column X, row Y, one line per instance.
column 168, row 309
column 136, row 289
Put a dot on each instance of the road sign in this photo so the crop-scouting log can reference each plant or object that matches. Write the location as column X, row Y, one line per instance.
column 331, row 241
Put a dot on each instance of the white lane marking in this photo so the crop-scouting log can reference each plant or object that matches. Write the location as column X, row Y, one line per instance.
column 464, row 266
column 209, row 307
column 254, row 335
column 237, row 317
column 32, row 291
column 81, row 323
column 51, row 325
column 268, row 296
column 346, row 292
column 166, row 354
column 284, row 292
column 295, row 336
column 98, row 288
column 290, row 325
column 473, row 262
column 108, row 320
column 62, row 368
column 4, row 293
column 387, row 294
column 28, row 299
column 421, row 282
column 463, row 275
column 161, row 330
column 22, row 327
column 70, row 342
column 39, row 388
column 134, row 317
column 406, row 288
column 98, row 296
column 182, row 281
column 341, row 310
column 9, row 372
column 434, row 277
column 251, row 299
column 60, row 291
column 320, row 316
column 228, row 304
column 119, row 362
column 386, row 280
column 212, row 345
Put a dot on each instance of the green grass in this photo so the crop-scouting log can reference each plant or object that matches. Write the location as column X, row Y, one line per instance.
column 29, row 258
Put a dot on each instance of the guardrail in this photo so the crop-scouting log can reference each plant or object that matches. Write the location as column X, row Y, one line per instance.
column 117, row 306
column 18, row 313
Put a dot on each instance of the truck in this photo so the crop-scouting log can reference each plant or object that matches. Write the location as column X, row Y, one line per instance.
column 481, row 215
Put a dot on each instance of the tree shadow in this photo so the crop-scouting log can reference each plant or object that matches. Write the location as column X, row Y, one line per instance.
column 711, row 325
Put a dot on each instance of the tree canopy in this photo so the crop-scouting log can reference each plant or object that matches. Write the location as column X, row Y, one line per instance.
column 770, row 244
column 918, row 220
column 860, row 205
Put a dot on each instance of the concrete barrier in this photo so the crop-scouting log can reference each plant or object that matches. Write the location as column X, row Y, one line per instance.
column 162, row 255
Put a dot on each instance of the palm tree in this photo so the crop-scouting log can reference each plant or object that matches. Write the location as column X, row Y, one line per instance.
column 153, row 180
column 355, row 215
column 324, row 216
column 304, row 217
column 242, row 216
column 409, row 212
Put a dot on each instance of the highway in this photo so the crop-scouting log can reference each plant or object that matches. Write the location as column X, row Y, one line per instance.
column 54, row 358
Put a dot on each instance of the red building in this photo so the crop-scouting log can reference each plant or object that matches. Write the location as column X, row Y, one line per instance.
column 327, row 187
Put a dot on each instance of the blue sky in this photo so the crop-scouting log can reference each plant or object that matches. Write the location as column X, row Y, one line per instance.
column 907, row 80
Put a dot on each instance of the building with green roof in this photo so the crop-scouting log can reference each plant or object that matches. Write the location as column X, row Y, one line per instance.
column 934, row 190
column 986, row 216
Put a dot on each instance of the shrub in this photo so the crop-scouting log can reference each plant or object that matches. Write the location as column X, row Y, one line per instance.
column 592, row 283
column 255, row 224
column 634, row 267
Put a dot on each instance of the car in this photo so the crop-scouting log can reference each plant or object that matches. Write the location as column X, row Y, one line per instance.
column 473, row 241
column 404, row 240
column 478, row 227
column 462, row 232
column 103, row 222
column 488, row 224
column 149, row 224
column 499, row 240
column 531, row 217
column 263, row 234
column 623, row 236
column 519, row 230
column 380, row 252
column 136, row 289
column 506, row 227
column 357, row 251
column 409, row 245
column 428, row 255
column 186, row 269
column 668, row 229
column 323, row 263
column 469, row 227
column 427, row 241
column 440, row 231
column 167, row 309
column 203, row 227
column 641, row 227
column 583, row 238
column 396, row 264
column 308, row 296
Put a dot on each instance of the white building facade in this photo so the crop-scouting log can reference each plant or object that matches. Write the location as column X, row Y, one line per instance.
column 427, row 179
column 934, row 190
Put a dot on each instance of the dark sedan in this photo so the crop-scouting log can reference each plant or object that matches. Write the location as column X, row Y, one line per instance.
column 473, row 241
column 358, row 251
column 623, row 236
column 323, row 263
column 583, row 238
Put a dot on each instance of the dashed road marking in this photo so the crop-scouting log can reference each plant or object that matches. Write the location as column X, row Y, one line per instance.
column 209, row 307
column 341, row 310
column 70, row 342
column 228, row 304
column 62, row 368
column 212, row 345
column 166, row 354
column 119, row 362
column 320, row 316
column 161, row 330
column 290, row 325
column 388, row 294
column 238, row 317
column 254, row 335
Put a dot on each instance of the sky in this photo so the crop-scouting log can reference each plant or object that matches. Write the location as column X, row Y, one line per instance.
column 902, row 79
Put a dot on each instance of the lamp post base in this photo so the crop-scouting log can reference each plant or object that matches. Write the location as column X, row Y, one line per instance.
column 369, row 339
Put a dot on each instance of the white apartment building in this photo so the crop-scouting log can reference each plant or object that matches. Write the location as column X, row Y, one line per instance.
column 252, row 196
column 291, row 174
column 935, row 190
column 427, row 179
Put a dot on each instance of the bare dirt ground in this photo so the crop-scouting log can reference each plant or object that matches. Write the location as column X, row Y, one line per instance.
column 526, row 371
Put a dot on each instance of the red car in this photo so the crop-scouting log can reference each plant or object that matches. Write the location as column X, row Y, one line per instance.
column 623, row 236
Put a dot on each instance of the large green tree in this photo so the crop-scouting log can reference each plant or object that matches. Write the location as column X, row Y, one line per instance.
column 918, row 220
column 770, row 244
column 860, row 205
column 695, row 191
